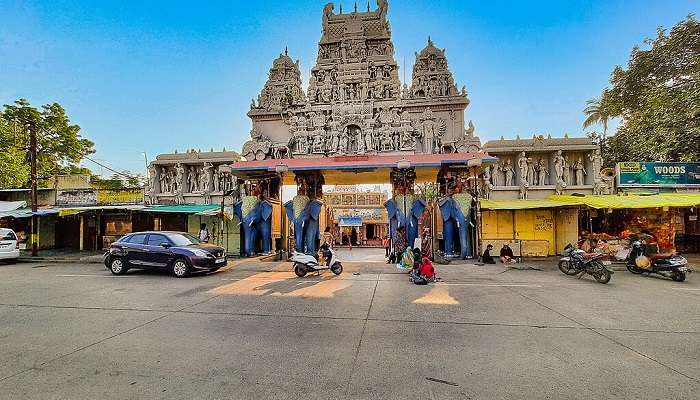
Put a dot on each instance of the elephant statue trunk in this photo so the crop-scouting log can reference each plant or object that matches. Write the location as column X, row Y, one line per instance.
column 255, row 216
column 456, row 221
column 303, row 213
column 398, row 217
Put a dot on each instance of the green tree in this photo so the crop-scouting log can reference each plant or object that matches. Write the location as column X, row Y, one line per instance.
column 597, row 113
column 657, row 98
column 60, row 147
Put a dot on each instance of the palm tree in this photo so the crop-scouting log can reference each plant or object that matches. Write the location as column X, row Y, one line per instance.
column 597, row 113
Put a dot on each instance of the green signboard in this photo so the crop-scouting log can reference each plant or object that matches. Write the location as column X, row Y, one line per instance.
column 657, row 174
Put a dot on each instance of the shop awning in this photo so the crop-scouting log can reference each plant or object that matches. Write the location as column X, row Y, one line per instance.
column 64, row 211
column 350, row 221
column 487, row 204
column 632, row 201
column 201, row 209
column 27, row 212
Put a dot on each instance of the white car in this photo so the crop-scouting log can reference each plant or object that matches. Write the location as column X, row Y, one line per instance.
column 9, row 245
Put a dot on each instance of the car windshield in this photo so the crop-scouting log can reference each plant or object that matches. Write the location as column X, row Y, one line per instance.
column 7, row 234
column 183, row 239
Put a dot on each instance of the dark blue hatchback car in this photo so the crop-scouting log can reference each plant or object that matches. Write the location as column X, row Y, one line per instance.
column 179, row 253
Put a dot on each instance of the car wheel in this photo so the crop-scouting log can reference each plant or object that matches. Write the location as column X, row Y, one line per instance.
column 117, row 266
column 181, row 268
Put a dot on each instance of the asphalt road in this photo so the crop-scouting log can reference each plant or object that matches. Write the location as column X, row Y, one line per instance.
column 255, row 331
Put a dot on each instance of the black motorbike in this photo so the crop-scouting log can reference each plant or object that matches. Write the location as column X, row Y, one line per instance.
column 671, row 266
column 574, row 262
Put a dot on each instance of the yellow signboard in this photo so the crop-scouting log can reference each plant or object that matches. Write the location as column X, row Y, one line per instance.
column 123, row 196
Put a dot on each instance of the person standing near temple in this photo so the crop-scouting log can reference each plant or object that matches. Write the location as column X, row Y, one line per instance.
column 426, row 244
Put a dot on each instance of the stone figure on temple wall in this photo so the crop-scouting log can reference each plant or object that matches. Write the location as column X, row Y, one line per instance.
column 522, row 192
column 596, row 161
column 318, row 142
column 497, row 175
column 179, row 178
column 163, row 180
column 522, row 167
column 542, row 173
column 531, row 171
column 559, row 165
column 369, row 141
column 343, row 142
column 567, row 171
column 560, row 186
column 579, row 172
column 334, row 142
column 509, row 172
column 206, row 177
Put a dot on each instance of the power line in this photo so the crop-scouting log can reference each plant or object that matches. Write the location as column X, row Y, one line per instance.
column 110, row 169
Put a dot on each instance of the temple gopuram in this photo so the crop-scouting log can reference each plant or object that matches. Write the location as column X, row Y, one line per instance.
column 356, row 123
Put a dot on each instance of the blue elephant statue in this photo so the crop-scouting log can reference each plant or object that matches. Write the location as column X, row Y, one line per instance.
column 456, row 213
column 256, row 219
column 303, row 214
column 397, row 215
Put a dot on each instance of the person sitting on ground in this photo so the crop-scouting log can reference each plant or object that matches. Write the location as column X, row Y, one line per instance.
column 487, row 258
column 507, row 254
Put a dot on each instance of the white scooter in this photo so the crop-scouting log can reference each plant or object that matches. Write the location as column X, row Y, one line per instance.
column 305, row 263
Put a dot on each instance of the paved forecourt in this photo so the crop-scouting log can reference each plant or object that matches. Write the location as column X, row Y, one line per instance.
column 254, row 330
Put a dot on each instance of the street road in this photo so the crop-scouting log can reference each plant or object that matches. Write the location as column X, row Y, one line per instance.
column 255, row 331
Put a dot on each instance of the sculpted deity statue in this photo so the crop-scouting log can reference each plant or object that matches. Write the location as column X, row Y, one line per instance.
column 531, row 171
column 566, row 177
column 559, row 165
column 522, row 192
column 579, row 172
column 487, row 175
column 335, row 141
column 542, row 172
column 596, row 160
column 509, row 172
column 522, row 167
column 369, row 141
column 343, row 143
column 205, row 177
column 179, row 177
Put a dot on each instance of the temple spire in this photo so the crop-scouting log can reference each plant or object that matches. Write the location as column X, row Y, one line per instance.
column 355, row 7
column 430, row 41
column 341, row 8
column 367, row 5
column 285, row 51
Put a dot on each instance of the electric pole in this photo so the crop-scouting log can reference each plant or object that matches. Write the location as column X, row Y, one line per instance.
column 32, row 160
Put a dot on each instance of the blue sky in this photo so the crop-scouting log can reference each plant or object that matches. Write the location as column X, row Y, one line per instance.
column 155, row 76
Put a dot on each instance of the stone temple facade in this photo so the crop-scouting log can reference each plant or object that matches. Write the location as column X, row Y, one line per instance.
column 355, row 103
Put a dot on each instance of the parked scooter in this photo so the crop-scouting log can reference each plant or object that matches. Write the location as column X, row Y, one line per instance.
column 671, row 266
column 305, row 263
column 574, row 262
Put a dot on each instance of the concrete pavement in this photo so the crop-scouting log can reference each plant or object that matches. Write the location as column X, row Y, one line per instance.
column 255, row 331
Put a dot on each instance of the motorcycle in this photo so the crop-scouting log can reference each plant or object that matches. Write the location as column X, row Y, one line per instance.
column 305, row 263
column 574, row 262
column 671, row 266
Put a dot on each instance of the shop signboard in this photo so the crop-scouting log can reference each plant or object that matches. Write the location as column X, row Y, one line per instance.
column 76, row 197
column 657, row 174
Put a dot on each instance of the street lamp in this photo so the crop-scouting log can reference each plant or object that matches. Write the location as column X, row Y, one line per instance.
column 280, row 169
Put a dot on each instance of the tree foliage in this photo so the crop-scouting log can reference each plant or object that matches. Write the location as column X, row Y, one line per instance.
column 60, row 147
column 656, row 98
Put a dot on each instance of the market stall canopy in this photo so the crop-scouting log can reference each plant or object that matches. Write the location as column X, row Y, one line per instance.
column 11, row 205
column 359, row 169
column 350, row 221
column 487, row 204
column 632, row 201
column 26, row 212
column 199, row 209
column 62, row 212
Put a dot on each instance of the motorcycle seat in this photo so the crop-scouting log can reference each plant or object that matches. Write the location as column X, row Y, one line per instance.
column 659, row 256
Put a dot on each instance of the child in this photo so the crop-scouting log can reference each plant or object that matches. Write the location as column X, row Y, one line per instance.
column 487, row 258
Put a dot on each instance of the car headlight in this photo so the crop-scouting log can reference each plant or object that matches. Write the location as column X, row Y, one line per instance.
column 200, row 253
